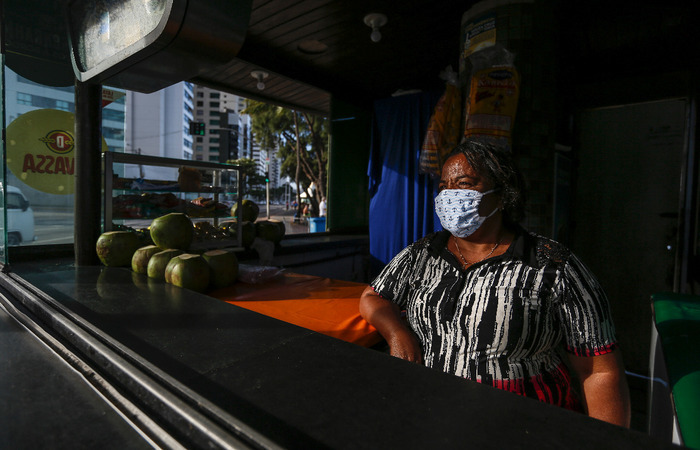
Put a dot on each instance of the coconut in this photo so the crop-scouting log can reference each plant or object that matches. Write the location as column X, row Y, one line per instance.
column 189, row 271
column 159, row 261
column 116, row 248
column 224, row 267
column 270, row 230
column 174, row 230
column 249, row 211
column 247, row 231
column 139, row 262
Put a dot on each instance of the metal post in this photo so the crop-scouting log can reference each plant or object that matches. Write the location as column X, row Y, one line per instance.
column 88, row 170
column 267, row 186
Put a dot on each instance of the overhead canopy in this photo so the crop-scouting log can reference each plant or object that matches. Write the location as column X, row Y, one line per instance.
column 314, row 49
column 421, row 37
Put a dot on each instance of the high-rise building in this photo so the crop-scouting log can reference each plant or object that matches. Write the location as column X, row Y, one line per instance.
column 228, row 134
column 158, row 124
column 237, row 142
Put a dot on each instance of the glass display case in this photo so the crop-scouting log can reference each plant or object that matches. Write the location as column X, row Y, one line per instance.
column 140, row 188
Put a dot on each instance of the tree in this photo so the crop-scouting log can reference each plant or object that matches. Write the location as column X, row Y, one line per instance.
column 252, row 179
column 301, row 140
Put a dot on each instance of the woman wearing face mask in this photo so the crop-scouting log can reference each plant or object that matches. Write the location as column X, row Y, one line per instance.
column 488, row 301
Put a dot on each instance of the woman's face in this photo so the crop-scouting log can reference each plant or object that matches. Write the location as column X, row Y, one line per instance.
column 457, row 173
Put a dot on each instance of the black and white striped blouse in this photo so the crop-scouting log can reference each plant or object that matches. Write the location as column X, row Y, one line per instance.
column 502, row 321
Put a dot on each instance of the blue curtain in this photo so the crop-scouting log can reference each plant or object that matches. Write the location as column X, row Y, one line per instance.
column 401, row 199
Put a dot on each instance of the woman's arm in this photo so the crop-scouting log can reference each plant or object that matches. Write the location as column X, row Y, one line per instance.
column 385, row 316
column 606, row 395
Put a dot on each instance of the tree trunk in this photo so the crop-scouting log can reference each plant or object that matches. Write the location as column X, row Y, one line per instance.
column 296, row 174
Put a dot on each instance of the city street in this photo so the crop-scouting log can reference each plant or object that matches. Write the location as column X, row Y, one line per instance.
column 54, row 225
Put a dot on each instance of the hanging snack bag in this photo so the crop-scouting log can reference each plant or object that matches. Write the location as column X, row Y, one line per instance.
column 443, row 132
column 492, row 103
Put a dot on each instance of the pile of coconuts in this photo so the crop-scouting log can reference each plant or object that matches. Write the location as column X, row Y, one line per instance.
column 168, row 259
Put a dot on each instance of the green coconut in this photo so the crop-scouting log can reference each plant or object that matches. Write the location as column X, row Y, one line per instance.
column 224, row 267
column 159, row 261
column 247, row 231
column 139, row 262
column 174, row 230
column 189, row 271
column 116, row 248
column 271, row 230
column 249, row 211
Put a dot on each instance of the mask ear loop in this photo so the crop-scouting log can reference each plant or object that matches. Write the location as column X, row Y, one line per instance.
column 497, row 208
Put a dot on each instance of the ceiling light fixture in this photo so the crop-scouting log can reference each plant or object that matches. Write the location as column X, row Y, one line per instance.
column 259, row 75
column 312, row 47
column 375, row 21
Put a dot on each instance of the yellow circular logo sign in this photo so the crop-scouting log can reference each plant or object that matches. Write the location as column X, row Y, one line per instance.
column 59, row 141
column 40, row 152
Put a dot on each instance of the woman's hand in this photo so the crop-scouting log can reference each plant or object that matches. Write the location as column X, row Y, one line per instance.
column 404, row 344
column 605, row 390
column 385, row 316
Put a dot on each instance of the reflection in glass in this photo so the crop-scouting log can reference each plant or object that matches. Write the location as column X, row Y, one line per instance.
column 104, row 28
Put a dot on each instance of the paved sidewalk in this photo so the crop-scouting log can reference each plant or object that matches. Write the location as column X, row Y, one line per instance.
column 279, row 212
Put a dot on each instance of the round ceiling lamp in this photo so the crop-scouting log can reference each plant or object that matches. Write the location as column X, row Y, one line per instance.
column 375, row 21
column 312, row 47
column 259, row 75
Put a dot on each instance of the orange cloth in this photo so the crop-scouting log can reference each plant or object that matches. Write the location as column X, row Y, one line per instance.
column 324, row 305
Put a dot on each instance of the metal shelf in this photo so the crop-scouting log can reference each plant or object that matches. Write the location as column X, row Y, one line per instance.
column 111, row 158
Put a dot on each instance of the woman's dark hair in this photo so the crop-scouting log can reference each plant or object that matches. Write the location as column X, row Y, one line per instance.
column 498, row 166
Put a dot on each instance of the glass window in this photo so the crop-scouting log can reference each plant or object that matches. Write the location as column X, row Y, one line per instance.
column 214, row 95
column 44, row 178
column 113, row 133
column 113, row 114
column 14, row 201
column 214, row 105
column 24, row 99
column 64, row 106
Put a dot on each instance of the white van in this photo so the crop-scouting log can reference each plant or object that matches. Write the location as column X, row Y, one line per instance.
column 20, row 217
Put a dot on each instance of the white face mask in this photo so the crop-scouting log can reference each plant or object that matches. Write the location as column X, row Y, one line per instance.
column 458, row 210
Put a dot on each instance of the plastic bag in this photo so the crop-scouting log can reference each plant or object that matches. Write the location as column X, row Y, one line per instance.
column 443, row 132
column 492, row 96
column 258, row 274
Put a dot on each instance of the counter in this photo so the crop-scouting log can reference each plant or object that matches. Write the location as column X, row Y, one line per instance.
column 216, row 375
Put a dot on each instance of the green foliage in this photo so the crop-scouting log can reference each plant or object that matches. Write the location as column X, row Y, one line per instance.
column 301, row 141
column 249, row 170
column 247, row 165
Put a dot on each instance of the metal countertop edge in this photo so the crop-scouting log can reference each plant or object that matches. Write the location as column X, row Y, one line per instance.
column 112, row 369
